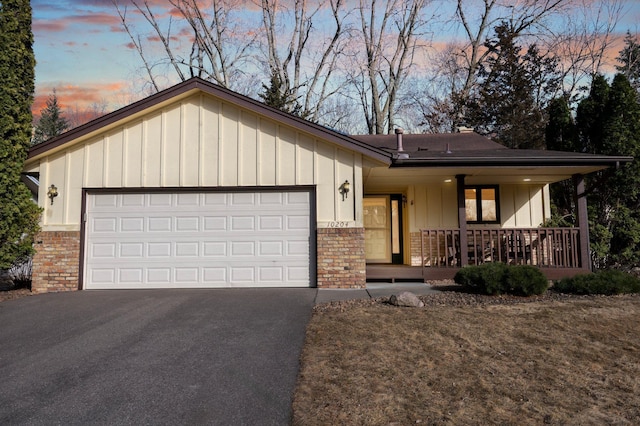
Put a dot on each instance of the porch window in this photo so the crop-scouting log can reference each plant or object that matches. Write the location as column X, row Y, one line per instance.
column 482, row 204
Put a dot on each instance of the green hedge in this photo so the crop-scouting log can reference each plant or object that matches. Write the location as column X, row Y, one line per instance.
column 607, row 282
column 500, row 278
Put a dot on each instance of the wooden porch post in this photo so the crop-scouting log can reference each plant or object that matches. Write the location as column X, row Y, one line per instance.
column 462, row 221
column 582, row 217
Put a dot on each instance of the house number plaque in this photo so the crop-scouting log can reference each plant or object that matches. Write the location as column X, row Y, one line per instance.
column 337, row 224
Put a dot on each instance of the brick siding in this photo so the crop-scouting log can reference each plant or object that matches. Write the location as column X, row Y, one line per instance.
column 341, row 258
column 56, row 262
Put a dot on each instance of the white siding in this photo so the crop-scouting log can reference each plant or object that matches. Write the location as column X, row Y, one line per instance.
column 200, row 142
column 435, row 206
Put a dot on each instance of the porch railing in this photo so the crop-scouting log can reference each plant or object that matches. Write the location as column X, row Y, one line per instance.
column 544, row 247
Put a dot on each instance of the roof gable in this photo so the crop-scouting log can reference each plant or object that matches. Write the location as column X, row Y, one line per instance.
column 184, row 90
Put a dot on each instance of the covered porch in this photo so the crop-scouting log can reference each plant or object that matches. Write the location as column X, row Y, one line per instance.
column 556, row 251
column 453, row 200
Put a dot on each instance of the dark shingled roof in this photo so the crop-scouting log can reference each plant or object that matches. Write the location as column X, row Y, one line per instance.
column 472, row 149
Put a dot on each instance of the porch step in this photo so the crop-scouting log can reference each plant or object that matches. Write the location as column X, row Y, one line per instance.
column 394, row 273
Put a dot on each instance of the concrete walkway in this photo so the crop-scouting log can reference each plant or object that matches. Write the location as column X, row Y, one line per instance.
column 373, row 290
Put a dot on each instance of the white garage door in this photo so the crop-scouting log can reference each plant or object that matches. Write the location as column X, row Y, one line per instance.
column 186, row 240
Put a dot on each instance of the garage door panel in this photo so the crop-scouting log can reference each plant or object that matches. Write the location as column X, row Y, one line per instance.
column 158, row 275
column 135, row 250
column 188, row 199
column 242, row 274
column 162, row 240
column 240, row 199
column 214, row 248
column 187, row 224
column 270, row 248
column 214, row 275
column 159, row 249
column 109, row 225
column 271, row 223
column 186, row 275
column 297, row 222
column 243, row 248
column 214, row 223
column 131, row 275
column 159, row 200
column 133, row 200
column 106, row 200
column 243, row 223
column 103, row 276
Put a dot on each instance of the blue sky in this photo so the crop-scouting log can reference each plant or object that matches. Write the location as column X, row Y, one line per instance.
column 83, row 52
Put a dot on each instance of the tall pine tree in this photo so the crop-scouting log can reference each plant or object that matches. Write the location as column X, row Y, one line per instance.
column 19, row 215
column 561, row 134
column 609, row 123
column 509, row 105
column 629, row 59
column 278, row 95
column 51, row 123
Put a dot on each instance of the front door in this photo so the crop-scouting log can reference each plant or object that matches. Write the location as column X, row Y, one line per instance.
column 383, row 228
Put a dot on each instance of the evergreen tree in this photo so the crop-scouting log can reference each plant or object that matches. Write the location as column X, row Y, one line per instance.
column 19, row 214
column 279, row 96
column 609, row 123
column 561, row 134
column 509, row 105
column 629, row 59
column 51, row 122
column 591, row 115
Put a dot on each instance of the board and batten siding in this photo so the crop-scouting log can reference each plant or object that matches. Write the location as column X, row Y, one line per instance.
column 434, row 206
column 200, row 141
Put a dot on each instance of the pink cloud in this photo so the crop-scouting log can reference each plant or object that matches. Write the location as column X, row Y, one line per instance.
column 40, row 26
column 93, row 20
column 71, row 96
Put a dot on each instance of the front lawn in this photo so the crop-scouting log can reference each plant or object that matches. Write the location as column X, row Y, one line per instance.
column 573, row 360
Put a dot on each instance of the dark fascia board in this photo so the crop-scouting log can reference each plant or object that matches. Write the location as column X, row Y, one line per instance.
column 529, row 161
column 225, row 94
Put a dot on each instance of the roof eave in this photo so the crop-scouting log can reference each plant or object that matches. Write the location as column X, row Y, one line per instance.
column 595, row 161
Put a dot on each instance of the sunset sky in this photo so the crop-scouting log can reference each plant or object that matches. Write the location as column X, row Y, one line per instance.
column 83, row 52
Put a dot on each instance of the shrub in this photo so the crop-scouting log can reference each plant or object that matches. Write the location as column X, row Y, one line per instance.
column 486, row 278
column 500, row 278
column 606, row 282
column 525, row 280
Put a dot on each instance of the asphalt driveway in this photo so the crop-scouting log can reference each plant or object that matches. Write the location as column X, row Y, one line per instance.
column 223, row 356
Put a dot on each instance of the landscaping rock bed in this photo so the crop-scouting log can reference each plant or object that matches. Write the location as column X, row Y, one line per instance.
column 453, row 295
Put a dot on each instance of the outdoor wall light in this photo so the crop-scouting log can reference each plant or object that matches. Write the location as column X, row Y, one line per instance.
column 344, row 189
column 52, row 193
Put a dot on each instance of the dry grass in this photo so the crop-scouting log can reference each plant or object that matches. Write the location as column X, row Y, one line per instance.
column 14, row 294
column 574, row 361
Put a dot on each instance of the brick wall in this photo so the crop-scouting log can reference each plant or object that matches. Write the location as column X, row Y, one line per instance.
column 56, row 262
column 341, row 258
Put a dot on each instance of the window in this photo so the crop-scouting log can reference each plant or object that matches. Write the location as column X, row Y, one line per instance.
column 482, row 204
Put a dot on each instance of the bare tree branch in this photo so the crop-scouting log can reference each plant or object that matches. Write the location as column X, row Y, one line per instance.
column 137, row 44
